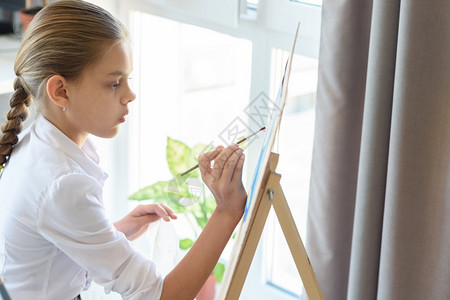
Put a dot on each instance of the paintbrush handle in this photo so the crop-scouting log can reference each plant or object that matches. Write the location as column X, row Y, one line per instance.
column 196, row 166
column 190, row 170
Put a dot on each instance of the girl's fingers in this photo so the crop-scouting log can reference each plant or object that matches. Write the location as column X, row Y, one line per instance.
column 204, row 161
column 159, row 209
column 230, row 165
column 169, row 211
column 221, row 161
column 237, row 174
column 227, row 164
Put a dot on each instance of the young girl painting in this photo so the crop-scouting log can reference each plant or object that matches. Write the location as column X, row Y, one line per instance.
column 73, row 64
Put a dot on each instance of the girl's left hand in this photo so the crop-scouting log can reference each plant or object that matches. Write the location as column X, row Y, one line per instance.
column 136, row 222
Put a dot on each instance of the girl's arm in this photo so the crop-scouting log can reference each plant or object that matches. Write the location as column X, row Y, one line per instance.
column 224, row 180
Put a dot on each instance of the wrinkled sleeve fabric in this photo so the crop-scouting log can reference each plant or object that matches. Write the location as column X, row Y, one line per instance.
column 73, row 218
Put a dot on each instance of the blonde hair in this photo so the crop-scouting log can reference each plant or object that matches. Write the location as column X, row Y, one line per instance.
column 63, row 39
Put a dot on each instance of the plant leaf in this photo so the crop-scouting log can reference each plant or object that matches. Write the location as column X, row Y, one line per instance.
column 154, row 191
column 164, row 191
column 195, row 152
column 200, row 149
column 186, row 244
column 201, row 220
column 178, row 156
column 218, row 271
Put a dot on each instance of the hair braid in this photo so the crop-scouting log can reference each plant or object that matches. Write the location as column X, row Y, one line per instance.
column 19, row 102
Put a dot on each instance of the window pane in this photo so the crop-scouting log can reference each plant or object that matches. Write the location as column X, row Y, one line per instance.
column 192, row 82
column 295, row 147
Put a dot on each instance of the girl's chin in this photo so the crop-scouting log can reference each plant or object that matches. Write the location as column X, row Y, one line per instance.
column 109, row 134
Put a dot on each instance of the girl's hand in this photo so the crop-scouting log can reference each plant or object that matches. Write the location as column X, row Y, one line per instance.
column 136, row 222
column 224, row 178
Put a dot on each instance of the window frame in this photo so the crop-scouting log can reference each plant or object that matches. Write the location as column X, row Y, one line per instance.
column 273, row 27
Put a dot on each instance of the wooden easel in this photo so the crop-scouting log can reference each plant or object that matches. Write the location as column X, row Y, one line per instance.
column 270, row 194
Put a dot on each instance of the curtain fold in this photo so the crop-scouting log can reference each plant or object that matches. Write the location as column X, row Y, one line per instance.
column 379, row 212
column 340, row 99
column 374, row 154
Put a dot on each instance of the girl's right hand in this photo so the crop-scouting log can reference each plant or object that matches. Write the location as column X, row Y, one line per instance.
column 224, row 178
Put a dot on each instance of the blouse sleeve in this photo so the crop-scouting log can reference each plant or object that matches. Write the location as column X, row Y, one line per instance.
column 73, row 218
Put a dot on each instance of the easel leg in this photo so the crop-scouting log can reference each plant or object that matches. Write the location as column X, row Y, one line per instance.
column 248, row 252
column 295, row 243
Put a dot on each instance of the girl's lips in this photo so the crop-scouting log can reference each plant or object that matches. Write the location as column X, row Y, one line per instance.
column 122, row 119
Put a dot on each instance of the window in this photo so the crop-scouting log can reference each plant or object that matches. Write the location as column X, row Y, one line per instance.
column 189, row 76
column 193, row 83
column 273, row 273
column 195, row 74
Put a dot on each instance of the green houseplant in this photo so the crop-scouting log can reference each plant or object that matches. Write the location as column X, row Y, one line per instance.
column 186, row 194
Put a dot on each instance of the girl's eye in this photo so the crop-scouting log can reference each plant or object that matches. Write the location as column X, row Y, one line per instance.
column 114, row 86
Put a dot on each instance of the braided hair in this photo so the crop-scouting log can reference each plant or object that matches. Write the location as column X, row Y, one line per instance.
column 19, row 102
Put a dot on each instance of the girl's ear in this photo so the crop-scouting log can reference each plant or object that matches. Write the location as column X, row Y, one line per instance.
column 57, row 91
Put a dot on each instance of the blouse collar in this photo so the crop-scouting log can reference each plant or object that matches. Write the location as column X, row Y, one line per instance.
column 86, row 156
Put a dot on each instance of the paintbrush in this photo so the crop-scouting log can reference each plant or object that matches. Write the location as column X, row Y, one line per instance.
column 238, row 142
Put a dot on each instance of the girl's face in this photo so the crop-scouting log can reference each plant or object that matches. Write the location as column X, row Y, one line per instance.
column 99, row 100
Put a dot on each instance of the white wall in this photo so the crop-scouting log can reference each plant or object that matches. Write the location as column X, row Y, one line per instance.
column 109, row 5
column 4, row 105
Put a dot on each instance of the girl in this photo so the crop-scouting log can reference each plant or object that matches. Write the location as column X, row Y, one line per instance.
column 74, row 62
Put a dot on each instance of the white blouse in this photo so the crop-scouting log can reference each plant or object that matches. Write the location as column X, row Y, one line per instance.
column 54, row 232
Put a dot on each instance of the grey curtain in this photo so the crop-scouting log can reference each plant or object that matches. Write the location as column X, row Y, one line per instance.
column 379, row 212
